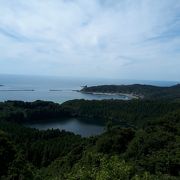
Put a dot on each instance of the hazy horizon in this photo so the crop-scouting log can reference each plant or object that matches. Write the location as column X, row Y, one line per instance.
column 108, row 39
column 98, row 79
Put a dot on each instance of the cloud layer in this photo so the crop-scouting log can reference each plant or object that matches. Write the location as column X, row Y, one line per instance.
column 137, row 39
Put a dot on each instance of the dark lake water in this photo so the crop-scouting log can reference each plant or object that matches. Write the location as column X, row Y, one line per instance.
column 73, row 125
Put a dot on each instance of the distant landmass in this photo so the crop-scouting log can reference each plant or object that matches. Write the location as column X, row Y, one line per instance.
column 17, row 90
column 137, row 90
column 55, row 90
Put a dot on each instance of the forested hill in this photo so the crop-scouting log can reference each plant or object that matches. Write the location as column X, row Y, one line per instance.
column 143, row 91
column 150, row 152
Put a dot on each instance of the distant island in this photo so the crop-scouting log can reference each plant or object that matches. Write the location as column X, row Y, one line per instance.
column 55, row 90
column 136, row 91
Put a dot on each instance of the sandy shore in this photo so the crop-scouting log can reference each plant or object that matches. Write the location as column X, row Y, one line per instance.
column 129, row 96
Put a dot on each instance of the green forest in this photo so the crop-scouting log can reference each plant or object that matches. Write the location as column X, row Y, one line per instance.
column 141, row 141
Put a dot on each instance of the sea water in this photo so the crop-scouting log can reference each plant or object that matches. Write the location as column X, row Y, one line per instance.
column 58, row 89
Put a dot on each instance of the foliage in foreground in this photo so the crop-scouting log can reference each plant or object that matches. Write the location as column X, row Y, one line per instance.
column 150, row 153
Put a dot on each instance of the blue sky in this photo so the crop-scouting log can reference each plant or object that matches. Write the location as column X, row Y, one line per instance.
column 126, row 39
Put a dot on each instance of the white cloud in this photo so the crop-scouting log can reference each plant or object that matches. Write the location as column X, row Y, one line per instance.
column 100, row 38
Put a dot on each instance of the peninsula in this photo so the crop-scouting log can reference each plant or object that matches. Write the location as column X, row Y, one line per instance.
column 136, row 91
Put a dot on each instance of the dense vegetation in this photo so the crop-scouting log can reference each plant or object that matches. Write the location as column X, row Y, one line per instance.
column 143, row 91
column 134, row 112
column 149, row 149
column 21, row 112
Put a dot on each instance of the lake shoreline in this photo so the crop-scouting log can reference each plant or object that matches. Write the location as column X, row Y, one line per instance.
column 74, row 125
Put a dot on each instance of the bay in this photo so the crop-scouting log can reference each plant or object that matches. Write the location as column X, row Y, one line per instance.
column 59, row 89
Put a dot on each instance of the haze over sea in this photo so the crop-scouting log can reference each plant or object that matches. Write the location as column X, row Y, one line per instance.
column 64, row 87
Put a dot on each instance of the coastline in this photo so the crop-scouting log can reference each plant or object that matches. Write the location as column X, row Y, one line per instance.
column 129, row 96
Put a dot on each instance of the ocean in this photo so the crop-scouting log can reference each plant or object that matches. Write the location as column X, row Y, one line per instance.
column 58, row 89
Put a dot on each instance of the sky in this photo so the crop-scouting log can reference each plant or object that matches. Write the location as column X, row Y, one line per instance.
column 125, row 39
